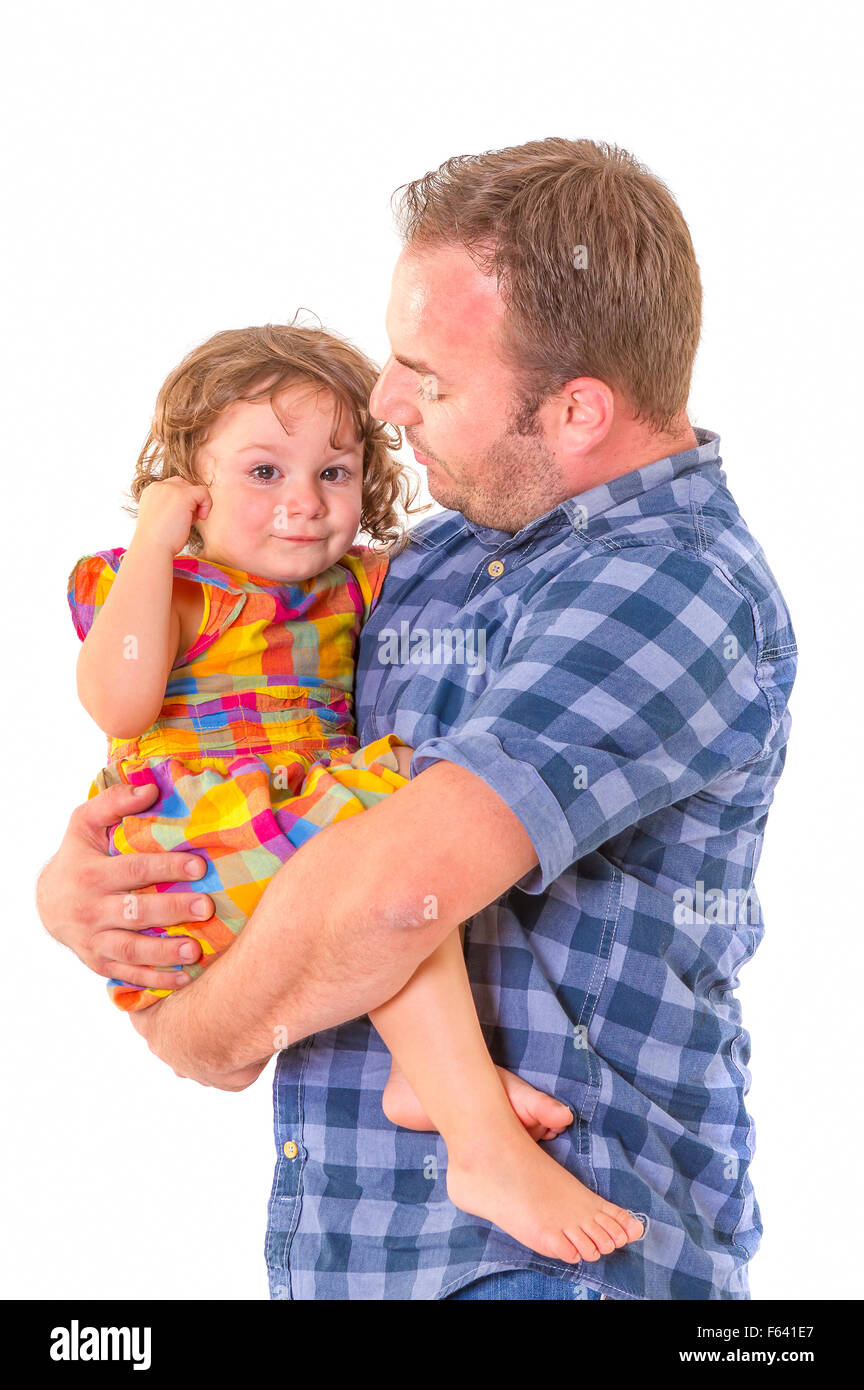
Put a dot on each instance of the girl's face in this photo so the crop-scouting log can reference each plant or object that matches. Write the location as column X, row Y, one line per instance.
column 286, row 504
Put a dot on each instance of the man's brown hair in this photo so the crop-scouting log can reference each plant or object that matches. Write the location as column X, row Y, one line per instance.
column 593, row 259
column 253, row 364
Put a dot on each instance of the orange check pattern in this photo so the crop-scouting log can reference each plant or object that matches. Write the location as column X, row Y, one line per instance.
column 254, row 749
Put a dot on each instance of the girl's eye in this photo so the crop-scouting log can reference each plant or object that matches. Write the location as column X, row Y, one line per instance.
column 264, row 472
column 335, row 468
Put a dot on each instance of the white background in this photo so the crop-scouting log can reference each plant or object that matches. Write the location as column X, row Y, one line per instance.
column 172, row 169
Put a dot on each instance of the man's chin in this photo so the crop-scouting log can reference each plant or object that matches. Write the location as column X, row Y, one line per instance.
column 448, row 497
column 455, row 501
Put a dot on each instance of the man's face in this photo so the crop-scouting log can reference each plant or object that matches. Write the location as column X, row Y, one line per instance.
column 458, row 401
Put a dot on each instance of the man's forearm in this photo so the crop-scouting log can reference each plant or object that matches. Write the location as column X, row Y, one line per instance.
column 321, row 948
column 346, row 922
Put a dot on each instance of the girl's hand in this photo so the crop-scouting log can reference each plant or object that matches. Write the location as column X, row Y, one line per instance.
column 168, row 509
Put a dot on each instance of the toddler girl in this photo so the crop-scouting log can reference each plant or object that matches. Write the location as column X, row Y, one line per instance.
column 218, row 657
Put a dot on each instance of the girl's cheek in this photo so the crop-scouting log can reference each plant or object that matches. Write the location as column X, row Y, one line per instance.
column 259, row 510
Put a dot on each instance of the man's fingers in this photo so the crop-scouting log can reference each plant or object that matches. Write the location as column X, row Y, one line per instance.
column 112, row 805
column 125, row 871
column 128, row 948
column 143, row 960
column 134, row 870
column 132, row 912
column 140, row 975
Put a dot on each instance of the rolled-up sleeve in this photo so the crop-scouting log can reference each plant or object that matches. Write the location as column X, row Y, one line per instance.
column 630, row 682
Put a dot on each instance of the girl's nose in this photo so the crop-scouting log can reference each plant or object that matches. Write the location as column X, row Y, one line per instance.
column 394, row 397
column 306, row 501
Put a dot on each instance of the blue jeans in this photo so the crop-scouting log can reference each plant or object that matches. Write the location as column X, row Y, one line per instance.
column 525, row 1284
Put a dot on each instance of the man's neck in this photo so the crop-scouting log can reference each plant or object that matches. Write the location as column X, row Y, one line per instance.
column 631, row 446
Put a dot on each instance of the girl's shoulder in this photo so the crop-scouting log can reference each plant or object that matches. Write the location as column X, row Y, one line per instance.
column 89, row 584
column 92, row 576
column 368, row 568
column 202, row 572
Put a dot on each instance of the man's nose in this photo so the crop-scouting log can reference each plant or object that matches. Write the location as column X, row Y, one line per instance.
column 392, row 399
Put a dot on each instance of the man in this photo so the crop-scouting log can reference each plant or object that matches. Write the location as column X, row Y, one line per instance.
column 592, row 794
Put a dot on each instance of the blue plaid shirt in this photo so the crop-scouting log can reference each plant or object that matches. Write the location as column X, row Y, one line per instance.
column 626, row 661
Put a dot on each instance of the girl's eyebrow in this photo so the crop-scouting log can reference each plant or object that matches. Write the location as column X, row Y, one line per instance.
column 246, row 447
column 269, row 448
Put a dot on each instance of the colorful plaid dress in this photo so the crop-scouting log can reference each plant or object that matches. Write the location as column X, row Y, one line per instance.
column 254, row 749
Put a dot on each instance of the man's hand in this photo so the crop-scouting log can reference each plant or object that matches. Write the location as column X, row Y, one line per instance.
column 86, row 897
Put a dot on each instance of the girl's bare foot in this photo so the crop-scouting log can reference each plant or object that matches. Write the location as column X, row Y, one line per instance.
column 543, row 1116
column 520, row 1188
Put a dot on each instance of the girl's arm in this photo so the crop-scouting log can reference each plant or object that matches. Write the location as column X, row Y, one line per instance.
column 124, row 663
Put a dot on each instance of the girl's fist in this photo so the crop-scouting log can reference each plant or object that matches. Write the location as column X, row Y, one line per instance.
column 169, row 508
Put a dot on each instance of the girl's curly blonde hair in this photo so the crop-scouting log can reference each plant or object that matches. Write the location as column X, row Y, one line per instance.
column 251, row 363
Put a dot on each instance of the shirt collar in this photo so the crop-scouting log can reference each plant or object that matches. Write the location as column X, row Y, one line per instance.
column 577, row 511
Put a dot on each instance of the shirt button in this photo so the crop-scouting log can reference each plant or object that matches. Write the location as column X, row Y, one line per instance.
column 290, row 1149
column 495, row 567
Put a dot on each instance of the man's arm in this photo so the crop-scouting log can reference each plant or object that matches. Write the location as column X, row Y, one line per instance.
column 587, row 727
column 344, row 924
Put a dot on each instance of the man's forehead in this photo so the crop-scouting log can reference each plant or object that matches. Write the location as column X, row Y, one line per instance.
column 441, row 301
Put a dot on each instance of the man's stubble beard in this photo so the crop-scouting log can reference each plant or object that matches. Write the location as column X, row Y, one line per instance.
column 518, row 480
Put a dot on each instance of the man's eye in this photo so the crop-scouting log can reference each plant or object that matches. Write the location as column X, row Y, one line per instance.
column 427, row 390
column 264, row 472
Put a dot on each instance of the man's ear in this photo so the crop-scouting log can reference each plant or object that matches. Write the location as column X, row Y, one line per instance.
column 586, row 410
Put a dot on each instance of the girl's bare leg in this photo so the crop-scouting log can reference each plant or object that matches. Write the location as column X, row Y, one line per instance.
column 495, row 1168
column 542, row 1115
